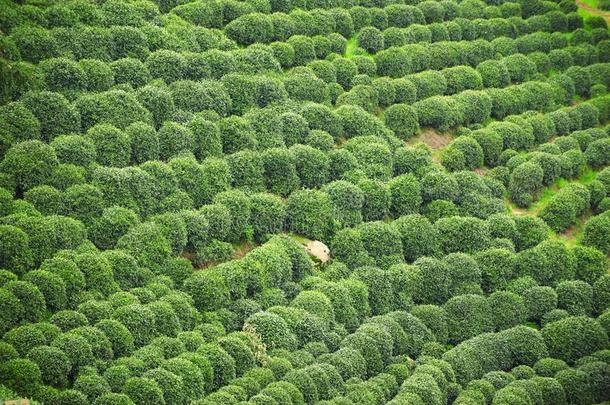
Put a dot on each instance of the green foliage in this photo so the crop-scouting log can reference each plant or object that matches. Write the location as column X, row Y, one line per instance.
column 209, row 291
column 468, row 316
column 530, row 232
column 30, row 298
column 347, row 200
column 21, row 375
column 144, row 142
column 120, row 337
column 30, row 163
column 565, row 341
column 309, row 213
column 370, row 39
column 115, row 107
column 508, row 309
column 594, row 233
column 16, row 254
column 575, row 296
column 143, row 390
column 597, row 153
column 202, row 95
column 539, row 300
column 24, row 338
column 402, row 119
column 146, row 243
column 152, row 154
column 250, row 28
column 63, row 75
column 113, row 147
column 18, row 123
column 268, row 215
column 405, row 195
column 174, row 139
column 435, row 281
column 53, row 363
column 462, row 234
column 306, row 87
column 467, row 149
column 139, row 321
column 54, row 113
column 112, row 224
column 280, row 171
column 382, row 242
column 394, row 62
column 565, row 206
column 311, row 164
column 274, row 331
column 92, row 386
column 98, row 76
column 497, row 268
column 52, row 287
column 525, row 180
column 166, row 65
column 158, row 101
column 74, row 149
column 436, row 112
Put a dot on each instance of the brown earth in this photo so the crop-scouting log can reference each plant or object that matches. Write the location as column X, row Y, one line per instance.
column 593, row 10
column 242, row 250
column 319, row 250
column 432, row 138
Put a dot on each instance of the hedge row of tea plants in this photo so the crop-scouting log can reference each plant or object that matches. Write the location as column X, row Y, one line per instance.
column 164, row 162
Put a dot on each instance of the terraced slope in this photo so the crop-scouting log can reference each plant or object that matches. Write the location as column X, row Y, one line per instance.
column 304, row 202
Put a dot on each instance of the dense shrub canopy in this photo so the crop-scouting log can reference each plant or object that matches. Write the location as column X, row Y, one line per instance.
column 304, row 202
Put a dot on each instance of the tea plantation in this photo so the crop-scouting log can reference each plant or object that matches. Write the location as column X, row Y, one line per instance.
column 304, row 202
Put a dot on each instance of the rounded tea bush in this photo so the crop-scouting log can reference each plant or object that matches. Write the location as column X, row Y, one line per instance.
column 273, row 329
column 16, row 254
column 395, row 63
column 575, row 296
column 54, row 113
column 143, row 391
column 539, row 300
column 402, row 119
column 468, row 316
column 21, row 375
column 508, row 309
column 371, row 39
column 30, row 163
column 594, row 233
column 574, row 337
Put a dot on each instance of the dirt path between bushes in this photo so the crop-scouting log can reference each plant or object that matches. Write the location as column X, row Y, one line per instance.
column 431, row 137
column 593, row 10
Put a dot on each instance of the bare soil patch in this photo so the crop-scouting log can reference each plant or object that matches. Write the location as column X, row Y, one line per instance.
column 242, row 250
column 593, row 10
column 518, row 211
column 432, row 138
column 319, row 250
